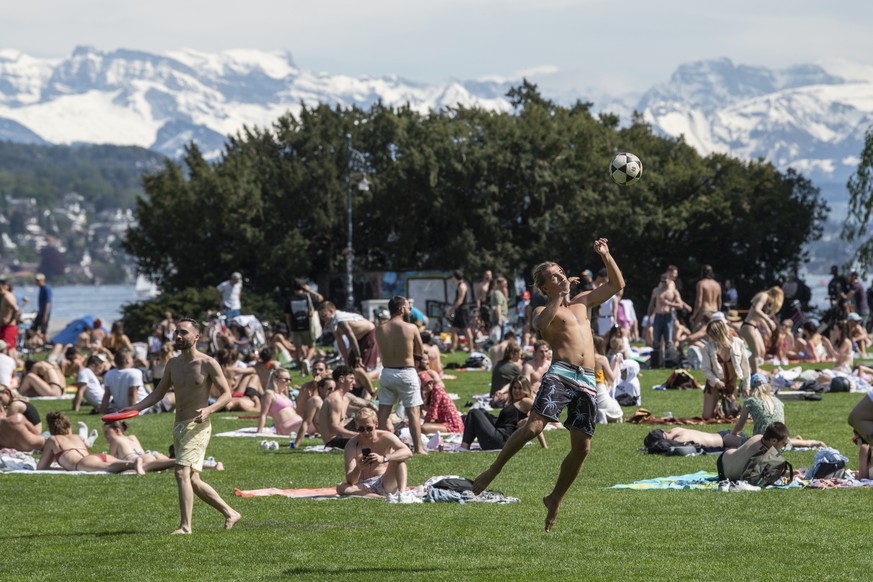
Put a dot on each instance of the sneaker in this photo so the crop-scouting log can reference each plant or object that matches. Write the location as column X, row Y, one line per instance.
column 91, row 438
column 305, row 369
column 82, row 430
column 724, row 485
column 744, row 486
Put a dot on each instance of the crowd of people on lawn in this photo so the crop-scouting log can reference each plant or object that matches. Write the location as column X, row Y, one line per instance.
column 380, row 429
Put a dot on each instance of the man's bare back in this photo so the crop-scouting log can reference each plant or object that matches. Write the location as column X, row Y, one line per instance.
column 399, row 342
column 708, row 295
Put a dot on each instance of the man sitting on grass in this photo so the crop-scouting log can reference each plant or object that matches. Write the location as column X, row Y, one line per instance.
column 375, row 460
column 733, row 462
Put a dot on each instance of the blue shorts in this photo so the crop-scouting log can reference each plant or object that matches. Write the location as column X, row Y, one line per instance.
column 570, row 387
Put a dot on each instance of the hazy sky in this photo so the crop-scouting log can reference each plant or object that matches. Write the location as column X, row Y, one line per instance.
column 613, row 46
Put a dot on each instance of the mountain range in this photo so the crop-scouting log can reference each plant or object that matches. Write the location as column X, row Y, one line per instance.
column 811, row 117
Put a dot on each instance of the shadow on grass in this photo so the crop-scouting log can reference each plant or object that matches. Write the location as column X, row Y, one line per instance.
column 43, row 535
column 364, row 569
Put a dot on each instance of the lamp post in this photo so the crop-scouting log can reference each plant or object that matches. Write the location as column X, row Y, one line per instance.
column 356, row 163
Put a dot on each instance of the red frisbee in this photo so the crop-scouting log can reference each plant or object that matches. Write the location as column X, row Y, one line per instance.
column 120, row 415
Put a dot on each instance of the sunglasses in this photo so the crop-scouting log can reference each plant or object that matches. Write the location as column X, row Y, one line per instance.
column 318, row 369
column 370, row 428
column 284, row 378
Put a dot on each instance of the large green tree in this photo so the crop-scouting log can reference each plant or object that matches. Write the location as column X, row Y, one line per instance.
column 470, row 188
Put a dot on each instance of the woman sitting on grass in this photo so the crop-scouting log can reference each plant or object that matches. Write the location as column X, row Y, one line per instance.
column 492, row 433
column 71, row 453
column 277, row 403
column 440, row 413
column 244, row 384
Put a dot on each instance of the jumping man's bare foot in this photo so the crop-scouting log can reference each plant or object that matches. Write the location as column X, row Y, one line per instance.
column 552, row 511
column 231, row 520
column 180, row 531
column 483, row 481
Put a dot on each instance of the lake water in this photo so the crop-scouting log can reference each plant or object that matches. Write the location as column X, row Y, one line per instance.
column 70, row 302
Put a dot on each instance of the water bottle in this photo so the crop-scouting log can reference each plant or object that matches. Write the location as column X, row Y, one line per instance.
column 669, row 414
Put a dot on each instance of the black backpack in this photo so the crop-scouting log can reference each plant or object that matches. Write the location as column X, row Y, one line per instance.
column 766, row 468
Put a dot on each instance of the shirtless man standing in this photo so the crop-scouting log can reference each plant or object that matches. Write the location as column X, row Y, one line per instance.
column 665, row 298
column 192, row 374
column 400, row 344
column 9, row 313
column 535, row 369
column 375, row 460
column 458, row 313
column 708, row 299
column 17, row 433
column 569, row 383
column 353, row 328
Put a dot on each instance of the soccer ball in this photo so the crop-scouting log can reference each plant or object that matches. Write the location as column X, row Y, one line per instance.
column 625, row 169
column 264, row 444
column 274, row 446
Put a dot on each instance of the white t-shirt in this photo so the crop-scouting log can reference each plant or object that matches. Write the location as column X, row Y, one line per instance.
column 341, row 316
column 119, row 382
column 7, row 368
column 93, row 387
column 230, row 294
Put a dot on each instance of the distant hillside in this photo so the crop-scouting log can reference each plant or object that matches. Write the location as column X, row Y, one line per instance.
column 106, row 176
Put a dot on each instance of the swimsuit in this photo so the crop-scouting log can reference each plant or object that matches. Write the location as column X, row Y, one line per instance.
column 571, row 387
column 189, row 441
column 280, row 402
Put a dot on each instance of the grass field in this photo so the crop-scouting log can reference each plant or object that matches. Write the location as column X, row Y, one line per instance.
column 115, row 526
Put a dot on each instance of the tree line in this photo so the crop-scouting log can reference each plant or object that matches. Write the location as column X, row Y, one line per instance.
column 466, row 188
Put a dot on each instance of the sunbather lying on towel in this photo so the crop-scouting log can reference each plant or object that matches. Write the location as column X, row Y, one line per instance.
column 71, row 453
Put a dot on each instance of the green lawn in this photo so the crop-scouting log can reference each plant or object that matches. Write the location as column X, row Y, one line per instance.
column 115, row 526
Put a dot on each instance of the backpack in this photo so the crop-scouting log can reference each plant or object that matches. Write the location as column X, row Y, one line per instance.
column 767, row 468
column 833, row 470
column 840, row 384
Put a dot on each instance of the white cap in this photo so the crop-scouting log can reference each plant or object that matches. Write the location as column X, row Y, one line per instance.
column 718, row 316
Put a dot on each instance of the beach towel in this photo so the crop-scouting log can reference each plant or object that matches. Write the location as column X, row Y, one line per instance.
column 700, row 480
column 303, row 493
column 249, row 431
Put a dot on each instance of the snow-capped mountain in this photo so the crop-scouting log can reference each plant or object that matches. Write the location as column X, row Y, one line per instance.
column 810, row 117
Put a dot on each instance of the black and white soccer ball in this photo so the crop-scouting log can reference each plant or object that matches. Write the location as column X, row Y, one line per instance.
column 625, row 169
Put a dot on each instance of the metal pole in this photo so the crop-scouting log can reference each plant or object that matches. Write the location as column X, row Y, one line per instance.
column 350, row 290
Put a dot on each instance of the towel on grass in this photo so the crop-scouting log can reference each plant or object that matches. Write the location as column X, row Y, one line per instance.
column 249, row 431
column 304, row 493
column 699, row 480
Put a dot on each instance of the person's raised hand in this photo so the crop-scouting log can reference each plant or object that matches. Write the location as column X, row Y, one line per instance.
column 600, row 247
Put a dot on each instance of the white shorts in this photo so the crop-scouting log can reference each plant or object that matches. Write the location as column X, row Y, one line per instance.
column 400, row 385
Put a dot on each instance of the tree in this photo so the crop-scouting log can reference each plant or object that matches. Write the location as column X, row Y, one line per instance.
column 464, row 187
column 857, row 225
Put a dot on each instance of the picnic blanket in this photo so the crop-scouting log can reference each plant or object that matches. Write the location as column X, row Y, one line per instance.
column 644, row 416
column 250, row 431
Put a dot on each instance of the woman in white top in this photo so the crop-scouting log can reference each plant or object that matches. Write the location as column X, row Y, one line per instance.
column 725, row 366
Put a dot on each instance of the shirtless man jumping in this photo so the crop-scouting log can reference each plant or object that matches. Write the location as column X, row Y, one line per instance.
column 400, row 344
column 192, row 374
column 569, row 383
column 708, row 299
